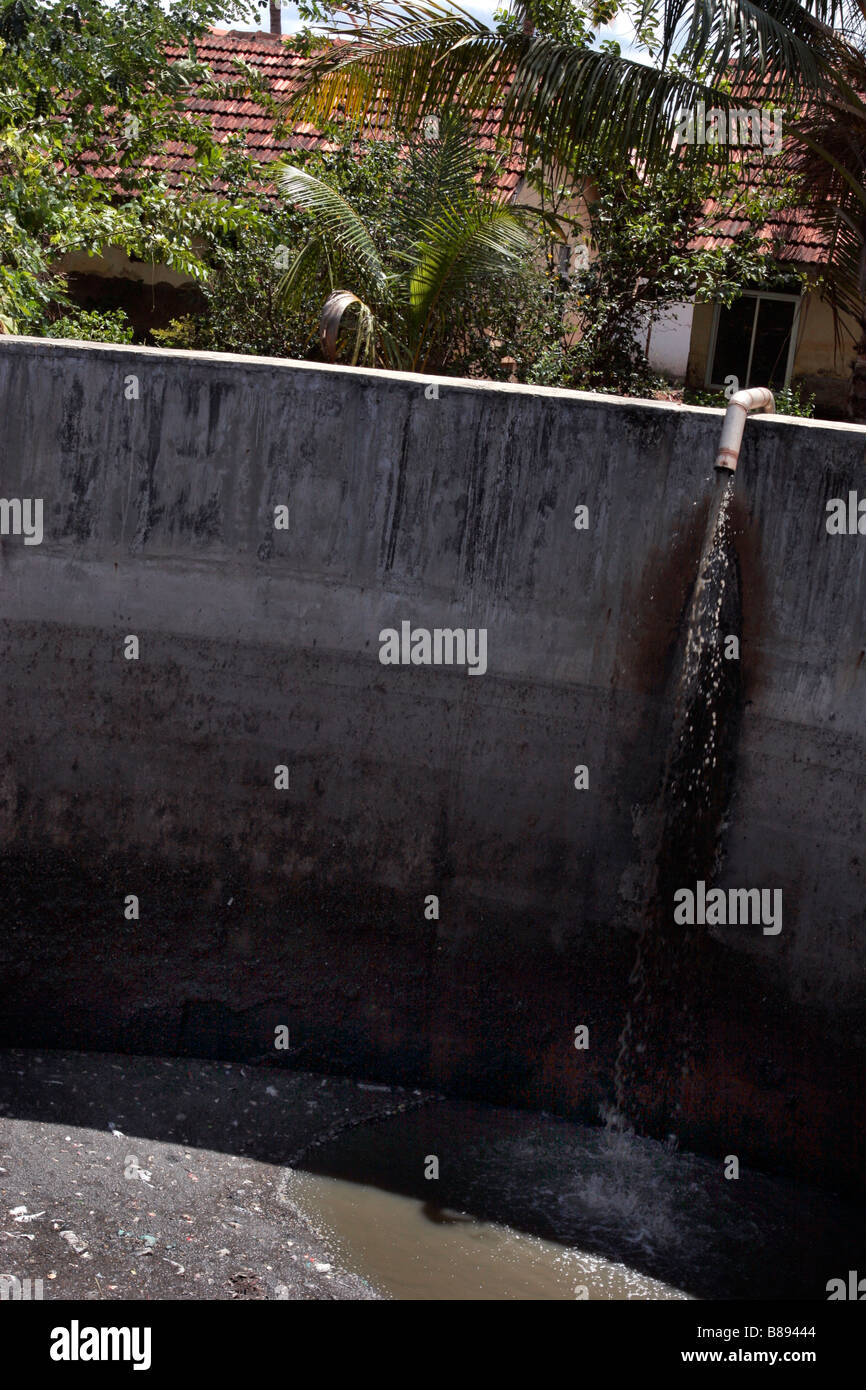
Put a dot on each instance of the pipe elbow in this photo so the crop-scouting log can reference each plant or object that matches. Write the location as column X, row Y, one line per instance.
column 741, row 404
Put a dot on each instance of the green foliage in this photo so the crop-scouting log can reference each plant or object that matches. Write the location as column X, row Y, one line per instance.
column 185, row 332
column 789, row 401
column 649, row 248
column 93, row 76
column 576, row 103
column 716, row 399
column 87, row 87
column 565, row 20
column 498, row 318
column 792, row 401
column 559, row 94
column 27, row 286
column 93, row 326
column 402, row 267
column 403, row 231
column 242, row 308
column 582, row 106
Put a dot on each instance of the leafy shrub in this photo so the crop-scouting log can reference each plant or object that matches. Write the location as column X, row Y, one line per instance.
column 93, row 326
column 791, row 401
column 713, row 398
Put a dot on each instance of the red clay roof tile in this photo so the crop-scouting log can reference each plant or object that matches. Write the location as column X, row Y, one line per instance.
column 800, row 241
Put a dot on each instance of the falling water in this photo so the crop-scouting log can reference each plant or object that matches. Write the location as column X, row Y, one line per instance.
column 660, row 1043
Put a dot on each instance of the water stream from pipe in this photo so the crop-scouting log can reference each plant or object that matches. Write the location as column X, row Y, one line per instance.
column 660, row 1039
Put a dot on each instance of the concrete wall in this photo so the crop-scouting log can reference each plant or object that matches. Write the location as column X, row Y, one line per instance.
column 259, row 647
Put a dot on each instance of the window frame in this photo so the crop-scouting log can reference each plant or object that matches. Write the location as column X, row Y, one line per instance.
column 757, row 296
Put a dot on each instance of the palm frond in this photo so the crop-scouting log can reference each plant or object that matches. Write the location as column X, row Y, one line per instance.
column 826, row 153
column 292, row 286
column 420, row 57
column 442, row 167
column 396, row 57
column 462, row 246
column 783, row 42
column 330, row 323
column 338, row 227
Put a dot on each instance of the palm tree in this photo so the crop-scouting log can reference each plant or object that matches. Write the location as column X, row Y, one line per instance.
column 565, row 97
column 567, row 102
column 403, row 306
column 827, row 154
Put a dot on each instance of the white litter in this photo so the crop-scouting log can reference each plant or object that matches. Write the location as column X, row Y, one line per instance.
column 74, row 1240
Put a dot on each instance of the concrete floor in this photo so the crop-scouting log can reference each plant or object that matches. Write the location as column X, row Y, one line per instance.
column 170, row 1178
column 202, row 1223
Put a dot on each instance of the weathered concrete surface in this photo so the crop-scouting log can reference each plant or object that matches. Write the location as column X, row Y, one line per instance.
column 260, row 647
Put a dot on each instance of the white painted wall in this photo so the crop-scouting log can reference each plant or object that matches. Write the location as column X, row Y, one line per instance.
column 669, row 341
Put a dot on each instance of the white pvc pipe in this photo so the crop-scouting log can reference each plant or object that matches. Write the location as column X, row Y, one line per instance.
column 741, row 403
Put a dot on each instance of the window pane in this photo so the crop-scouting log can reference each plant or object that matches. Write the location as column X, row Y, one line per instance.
column 770, row 358
column 733, row 340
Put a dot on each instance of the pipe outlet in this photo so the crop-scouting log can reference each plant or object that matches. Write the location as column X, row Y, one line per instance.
column 739, row 406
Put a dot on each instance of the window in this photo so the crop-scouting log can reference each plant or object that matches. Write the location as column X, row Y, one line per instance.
column 754, row 340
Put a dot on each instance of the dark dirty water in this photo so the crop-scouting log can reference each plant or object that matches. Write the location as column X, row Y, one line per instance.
column 264, row 1184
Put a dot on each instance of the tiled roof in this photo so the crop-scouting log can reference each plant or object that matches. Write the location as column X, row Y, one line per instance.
column 282, row 69
column 792, row 237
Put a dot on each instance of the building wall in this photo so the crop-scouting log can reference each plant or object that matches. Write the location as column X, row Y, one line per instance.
column 668, row 342
column 114, row 264
column 821, row 365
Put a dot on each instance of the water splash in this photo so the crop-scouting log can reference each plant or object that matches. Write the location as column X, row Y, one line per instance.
column 627, row 1195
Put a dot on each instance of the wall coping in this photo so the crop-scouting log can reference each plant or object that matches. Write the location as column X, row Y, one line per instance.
column 464, row 384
